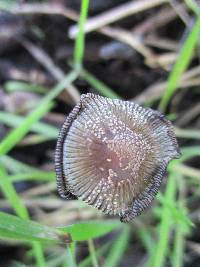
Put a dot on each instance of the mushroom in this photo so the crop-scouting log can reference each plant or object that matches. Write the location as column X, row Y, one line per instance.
column 113, row 155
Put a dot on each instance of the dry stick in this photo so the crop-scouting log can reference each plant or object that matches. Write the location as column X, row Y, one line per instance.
column 119, row 34
column 194, row 216
column 162, row 43
column 40, row 190
column 189, row 115
column 124, row 36
column 28, row 74
column 127, row 38
column 164, row 60
column 57, row 218
column 68, row 217
column 180, row 10
column 187, row 171
column 43, row 8
column 156, row 90
column 116, row 14
column 50, row 203
column 158, row 20
column 151, row 23
column 151, row 59
column 55, row 9
column 44, row 59
column 194, row 247
column 191, row 73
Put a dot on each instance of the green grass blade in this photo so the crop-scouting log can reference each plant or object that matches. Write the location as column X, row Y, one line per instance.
column 39, row 176
column 39, row 254
column 18, row 264
column 191, row 150
column 181, row 229
column 187, row 153
column 70, row 261
column 54, row 261
column 80, row 39
column 188, row 172
column 99, row 85
column 158, row 257
column 178, row 215
column 17, row 134
column 23, row 172
column 15, row 201
column 12, row 227
column 187, row 133
column 89, row 230
column 118, row 248
column 145, row 236
column 6, row 5
column 193, row 6
column 11, row 195
column 92, row 253
column 13, row 86
column 177, row 257
column 99, row 252
column 181, row 64
column 13, row 120
column 16, row 166
column 34, row 139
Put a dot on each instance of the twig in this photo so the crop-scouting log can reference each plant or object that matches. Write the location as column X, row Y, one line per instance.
column 118, row 34
column 162, row 43
column 44, row 59
column 127, row 38
column 154, row 91
column 43, row 8
column 191, row 73
column 116, row 14
column 158, row 20
column 188, row 171
column 179, row 9
column 46, row 203
column 194, row 247
column 121, row 35
column 63, row 217
column 187, row 133
column 28, row 74
column 164, row 60
column 40, row 190
column 189, row 115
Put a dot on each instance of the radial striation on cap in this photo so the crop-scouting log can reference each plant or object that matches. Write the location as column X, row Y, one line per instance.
column 113, row 155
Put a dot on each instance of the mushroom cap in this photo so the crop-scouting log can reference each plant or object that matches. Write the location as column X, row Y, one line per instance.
column 113, row 154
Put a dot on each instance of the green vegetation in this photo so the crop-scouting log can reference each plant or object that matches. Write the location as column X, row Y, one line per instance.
column 170, row 212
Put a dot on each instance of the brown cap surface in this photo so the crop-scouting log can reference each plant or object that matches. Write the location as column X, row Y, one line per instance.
column 113, row 154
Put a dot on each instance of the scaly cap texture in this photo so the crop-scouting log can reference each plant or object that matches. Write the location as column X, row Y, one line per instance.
column 113, row 154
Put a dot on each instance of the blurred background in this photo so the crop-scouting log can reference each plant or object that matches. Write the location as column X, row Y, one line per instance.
column 142, row 51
